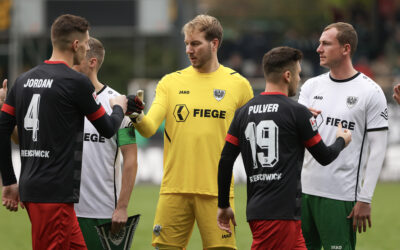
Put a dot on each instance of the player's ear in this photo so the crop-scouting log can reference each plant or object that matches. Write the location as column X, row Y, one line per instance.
column 215, row 43
column 92, row 62
column 287, row 75
column 347, row 49
column 75, row 45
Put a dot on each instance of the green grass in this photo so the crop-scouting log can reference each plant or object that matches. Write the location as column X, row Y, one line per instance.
column 15, row 227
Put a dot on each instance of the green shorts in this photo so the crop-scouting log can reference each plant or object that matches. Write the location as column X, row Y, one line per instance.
column 324, row 223
column 89, row 232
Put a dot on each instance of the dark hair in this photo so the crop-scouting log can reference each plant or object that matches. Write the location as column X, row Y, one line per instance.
column 346, row 35
column 207, row 24
column 96, row 50
column 278, row 60
column 67, row 28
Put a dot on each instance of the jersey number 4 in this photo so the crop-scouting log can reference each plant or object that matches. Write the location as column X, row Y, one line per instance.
column 31, row 120
column 265, row 135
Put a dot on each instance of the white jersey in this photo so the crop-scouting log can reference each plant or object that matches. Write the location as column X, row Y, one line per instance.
column 101, row 167
column 359, row 103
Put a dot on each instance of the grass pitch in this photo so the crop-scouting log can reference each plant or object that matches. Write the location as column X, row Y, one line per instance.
column 15, row 226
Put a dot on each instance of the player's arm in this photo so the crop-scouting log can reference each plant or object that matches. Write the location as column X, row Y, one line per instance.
column 10, row 194
column 120, row 215
column 361, row 212
column 228, row 156
column 86, row 100
column 326, row 154
column 108, row 125
column 148, row 124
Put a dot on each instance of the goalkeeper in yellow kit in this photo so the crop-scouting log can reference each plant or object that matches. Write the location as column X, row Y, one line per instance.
column 198, row 104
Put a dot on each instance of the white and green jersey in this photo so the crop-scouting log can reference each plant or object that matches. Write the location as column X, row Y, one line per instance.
column 360, row 105
column 101, row 165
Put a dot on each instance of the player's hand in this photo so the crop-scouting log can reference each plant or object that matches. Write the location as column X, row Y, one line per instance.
column 396, row 93
column 119, row 100
column 119, row 218
column 136, row 106
column 345, row 134
column 314, row 112
column 361, row 213
column 3, row 92
column 224, row 216
column 10, row 197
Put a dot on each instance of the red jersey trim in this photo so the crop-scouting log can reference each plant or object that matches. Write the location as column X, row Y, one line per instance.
column 55, row 62
column 314, row 140
column 96, row 115
column 8, row 109
column 273, row 93
column 232, row 139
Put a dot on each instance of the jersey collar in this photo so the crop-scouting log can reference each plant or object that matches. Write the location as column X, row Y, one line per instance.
column 55, row 62
column 272, row 93
column 344, row 80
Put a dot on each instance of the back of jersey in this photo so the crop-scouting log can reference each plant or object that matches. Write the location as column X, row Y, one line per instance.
column 271, row 139
column 49, row 116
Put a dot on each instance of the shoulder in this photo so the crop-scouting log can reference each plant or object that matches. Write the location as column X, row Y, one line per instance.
column 370, row 85
column 234, row 75
column 316, row 80
column 108, row 91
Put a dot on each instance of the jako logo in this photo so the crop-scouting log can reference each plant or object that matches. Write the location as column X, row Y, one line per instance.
column 224, row 236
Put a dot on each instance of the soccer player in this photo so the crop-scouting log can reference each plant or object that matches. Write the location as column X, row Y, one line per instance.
column 104, row 193
column 48, row 103
column 198, row 104
column 337, row 198
column 271, row 131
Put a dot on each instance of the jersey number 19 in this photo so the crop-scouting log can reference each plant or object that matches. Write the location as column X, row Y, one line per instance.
column 265, row 135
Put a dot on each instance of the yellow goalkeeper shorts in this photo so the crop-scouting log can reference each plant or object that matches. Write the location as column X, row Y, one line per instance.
column 175, row 217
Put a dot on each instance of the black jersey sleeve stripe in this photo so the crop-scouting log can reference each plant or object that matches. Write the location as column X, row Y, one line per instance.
column 232, row 139
column 8, row 109
column 96, row 115
column 377, row 129
column 313, row 141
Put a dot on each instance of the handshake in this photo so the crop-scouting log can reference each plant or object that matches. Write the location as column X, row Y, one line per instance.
column 132, row 105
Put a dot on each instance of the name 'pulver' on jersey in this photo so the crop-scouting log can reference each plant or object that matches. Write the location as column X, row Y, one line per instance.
column 262, row 108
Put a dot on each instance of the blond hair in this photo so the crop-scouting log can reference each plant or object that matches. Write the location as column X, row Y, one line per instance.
column 207, row 24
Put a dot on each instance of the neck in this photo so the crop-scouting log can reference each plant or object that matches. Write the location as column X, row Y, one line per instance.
column 209, row 67
column 343, row 70
column 277, row 87
column 95, row 81
column 66, row 57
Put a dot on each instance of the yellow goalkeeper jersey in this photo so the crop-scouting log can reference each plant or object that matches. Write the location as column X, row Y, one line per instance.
column 198, row 109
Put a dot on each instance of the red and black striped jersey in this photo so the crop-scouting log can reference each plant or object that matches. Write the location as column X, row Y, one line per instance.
column 48, row 104
column 271, row 131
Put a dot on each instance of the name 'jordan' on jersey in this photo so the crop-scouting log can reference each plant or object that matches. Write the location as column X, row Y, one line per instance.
column 50, row 101
column 272, row 131
column 360, row 105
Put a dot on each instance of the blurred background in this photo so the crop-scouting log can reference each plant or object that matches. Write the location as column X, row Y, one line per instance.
column 143, row 42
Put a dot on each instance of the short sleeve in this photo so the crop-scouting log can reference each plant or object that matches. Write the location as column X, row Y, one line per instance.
column 304, row 95
column 246, row 92
column 10, row 104
column 377, row 112
column 234, row 130
column 307, row 127
column 86, row 100
column 161, row 93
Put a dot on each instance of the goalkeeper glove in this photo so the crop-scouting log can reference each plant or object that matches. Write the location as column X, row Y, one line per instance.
column 135, row 106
